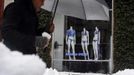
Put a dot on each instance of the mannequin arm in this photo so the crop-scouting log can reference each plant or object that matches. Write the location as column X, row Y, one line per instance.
column 81, row 38
column 75, row 39
column 99, row 38
column 88, row 38
column 66, row 39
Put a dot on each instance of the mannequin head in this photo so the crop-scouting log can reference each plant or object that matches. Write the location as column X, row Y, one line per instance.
column 71, row 28
column 84, row 29
column 96, row 29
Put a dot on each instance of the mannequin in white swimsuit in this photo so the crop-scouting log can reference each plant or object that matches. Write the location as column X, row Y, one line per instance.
column 96, row 43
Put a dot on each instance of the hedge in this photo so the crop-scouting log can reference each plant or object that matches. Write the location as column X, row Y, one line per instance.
column 123, row 34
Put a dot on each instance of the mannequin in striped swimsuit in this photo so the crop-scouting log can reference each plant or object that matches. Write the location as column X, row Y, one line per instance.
column 85, row 43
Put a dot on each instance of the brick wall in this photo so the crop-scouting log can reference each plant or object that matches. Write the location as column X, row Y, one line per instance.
column 1, row 9
column 1, row 13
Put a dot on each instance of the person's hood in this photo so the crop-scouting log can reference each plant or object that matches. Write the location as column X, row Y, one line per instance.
column 28, row 4
column 25, row 2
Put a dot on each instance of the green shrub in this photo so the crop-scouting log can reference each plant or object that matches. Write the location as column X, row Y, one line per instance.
column 44, row 18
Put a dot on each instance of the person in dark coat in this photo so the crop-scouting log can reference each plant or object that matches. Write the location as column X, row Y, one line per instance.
column 20, row 24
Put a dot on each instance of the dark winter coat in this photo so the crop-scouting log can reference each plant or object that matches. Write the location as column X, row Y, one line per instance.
column 19, row 26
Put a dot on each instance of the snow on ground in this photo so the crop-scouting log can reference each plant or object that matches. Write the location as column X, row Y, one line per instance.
column 125, row 72
column 66, row 73
column 15, row 63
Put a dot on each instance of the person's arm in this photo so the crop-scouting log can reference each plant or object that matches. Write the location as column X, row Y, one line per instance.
column 11, row 21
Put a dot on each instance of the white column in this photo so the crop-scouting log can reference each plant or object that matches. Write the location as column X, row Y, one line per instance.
column 58, row 35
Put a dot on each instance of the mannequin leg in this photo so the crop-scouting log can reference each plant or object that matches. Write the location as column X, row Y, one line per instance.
column 86, row 47
column 69, row 42
column 83, row 50
column 73, row 49
column 96, row 50
column 93, row 43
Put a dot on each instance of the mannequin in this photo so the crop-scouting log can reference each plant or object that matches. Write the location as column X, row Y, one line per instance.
column 96, row 43
column 70, row 41
column 85, row 43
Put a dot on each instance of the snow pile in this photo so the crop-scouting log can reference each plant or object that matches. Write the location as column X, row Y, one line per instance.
column 15, row 63
column 45, row 34
column 48, row 36
column 51, row 72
